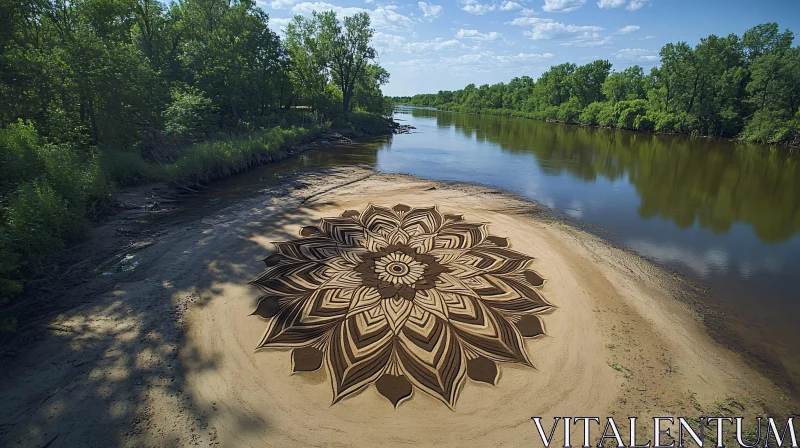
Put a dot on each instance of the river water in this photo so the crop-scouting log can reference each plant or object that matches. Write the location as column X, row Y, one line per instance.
column 725, row 215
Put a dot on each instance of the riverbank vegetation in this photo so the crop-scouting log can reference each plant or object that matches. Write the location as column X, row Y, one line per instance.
column 731, row 86
column 98, row 94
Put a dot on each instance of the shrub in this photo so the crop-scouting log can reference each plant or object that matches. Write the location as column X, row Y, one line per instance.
column 627, row 113
column 665, row 122
column 19, row 155
column 607, row 116
column 39, row 223
column 570, row 111
column 190, row 115
column 773, row 127
column 644, row 123
column 591, row 113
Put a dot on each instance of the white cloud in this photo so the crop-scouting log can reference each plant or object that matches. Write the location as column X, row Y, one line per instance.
column 430, row 46
column 382, row 17
column 282, row 4
column 562, row 5
column 477, row 35
column 474, row 7
column 569, row 35
column 387, row 18
column 527, row 12
column 611, row 3
column 430, row 11
column 510, row 6
column 384, row 42
column 484, row 62
column 555, row 30
column 630, row 5
column 526, row 21
column 587, row 39
column 306, row 8
column 278, row 24
column 635, row 55
column 636, row 4
column 627, row 29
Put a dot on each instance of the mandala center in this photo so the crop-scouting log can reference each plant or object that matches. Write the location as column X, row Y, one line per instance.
column 400, row 268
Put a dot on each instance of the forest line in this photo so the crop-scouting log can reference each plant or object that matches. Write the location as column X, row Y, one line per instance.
column 746, row 87
column 98, row 94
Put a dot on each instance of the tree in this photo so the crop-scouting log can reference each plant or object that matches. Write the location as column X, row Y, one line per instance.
column 322, row 52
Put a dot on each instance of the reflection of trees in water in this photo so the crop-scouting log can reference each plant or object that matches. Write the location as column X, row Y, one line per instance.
column 361, row 153
column 710, row 182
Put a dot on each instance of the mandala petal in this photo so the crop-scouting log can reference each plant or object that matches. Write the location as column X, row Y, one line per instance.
column 342, row 279
column 396, row 310
column 380, row 220
column 446, row 256
column 306, row 359
column 423, row 243
column 530, row 325
column 454, row 218
column 422, row 220
column 432, row 301
column 340, row 263
column 534, row 278
column 287, row 328
column 305, row 249
column 508, row 294
column 498, row 241
column 310, row 231
column 483, row 370
column 364, row 297
column 358, row 352
column 394, row 387
column 344, row 231
column 375, row 242
column 430, row 356
column 274, row 260
column 463, row 269
column 461, row 235
column 268, row 306
column 486, row 331
column 351, row 214
column 450, row 283
column 401, row 208
column 295, row 278
column 399, row 236
column 495, row 260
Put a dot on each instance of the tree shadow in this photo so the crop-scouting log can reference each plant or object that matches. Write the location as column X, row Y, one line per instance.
column 108, row 371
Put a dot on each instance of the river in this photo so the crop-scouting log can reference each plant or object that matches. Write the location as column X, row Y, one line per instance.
column 724, row 215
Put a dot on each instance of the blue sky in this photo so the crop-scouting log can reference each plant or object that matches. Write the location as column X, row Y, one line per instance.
column 444, row 45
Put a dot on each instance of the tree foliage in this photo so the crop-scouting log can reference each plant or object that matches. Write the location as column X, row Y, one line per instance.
column 94, row 92
column 746, row 86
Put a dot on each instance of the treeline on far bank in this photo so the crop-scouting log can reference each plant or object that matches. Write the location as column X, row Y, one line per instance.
column 732, row 86
column 97, row 94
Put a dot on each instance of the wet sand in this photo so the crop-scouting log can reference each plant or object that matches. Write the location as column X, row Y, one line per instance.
column 161, row 350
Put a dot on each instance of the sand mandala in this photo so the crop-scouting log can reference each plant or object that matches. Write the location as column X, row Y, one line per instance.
column 405, row 298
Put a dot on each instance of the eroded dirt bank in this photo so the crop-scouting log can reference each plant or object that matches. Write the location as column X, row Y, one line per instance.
column 160, row 351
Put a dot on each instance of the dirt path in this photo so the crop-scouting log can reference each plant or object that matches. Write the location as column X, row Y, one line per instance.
column 161, row 352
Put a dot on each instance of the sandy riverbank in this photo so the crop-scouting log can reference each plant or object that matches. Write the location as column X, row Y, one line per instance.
column 160, row 353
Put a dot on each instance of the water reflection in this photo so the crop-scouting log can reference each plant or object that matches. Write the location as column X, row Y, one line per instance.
column 708, row 182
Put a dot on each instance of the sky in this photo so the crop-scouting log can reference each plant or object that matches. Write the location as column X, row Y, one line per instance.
column 435, row 45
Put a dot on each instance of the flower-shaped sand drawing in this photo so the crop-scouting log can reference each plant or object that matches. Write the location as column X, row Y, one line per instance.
column 400, row 297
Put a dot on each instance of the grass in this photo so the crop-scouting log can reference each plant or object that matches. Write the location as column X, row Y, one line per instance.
column 51, row 193
column 218, row 159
